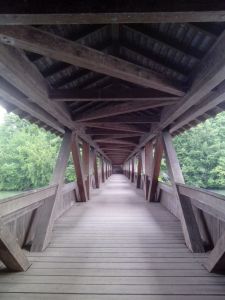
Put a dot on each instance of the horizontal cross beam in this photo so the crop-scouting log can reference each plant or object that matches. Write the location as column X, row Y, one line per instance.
column 109, row 94
column 119, row 109
column 89, row 12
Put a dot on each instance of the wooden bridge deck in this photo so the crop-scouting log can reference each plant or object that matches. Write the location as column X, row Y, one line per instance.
column 116, row 246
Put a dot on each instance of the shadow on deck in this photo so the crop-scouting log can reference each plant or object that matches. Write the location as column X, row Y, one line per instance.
column 116, row 246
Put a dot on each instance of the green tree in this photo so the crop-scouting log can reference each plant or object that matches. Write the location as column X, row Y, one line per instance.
column 201, row 151
column 27, row 155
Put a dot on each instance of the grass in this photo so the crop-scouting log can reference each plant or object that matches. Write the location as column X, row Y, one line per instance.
column 6, row 194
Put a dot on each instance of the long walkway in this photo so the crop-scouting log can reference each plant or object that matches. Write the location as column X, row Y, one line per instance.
column 115, row 247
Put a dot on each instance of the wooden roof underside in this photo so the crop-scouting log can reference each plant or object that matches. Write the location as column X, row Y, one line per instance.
column 117, row 83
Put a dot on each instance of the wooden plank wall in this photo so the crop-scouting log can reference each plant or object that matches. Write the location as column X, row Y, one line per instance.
column 215, row 227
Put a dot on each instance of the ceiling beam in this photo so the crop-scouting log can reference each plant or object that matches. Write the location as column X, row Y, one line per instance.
column 116, row 136
column 102, row 132
column 112, row 150
column 130, row 119
column 116, row 127
column 96, row 12
column 44, row 43
column 109, row 94
column 119, row 109
column 115, row 142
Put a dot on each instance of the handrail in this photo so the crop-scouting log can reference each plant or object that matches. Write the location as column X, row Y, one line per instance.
column 22, row 201
column 69, row 187
column 165, row 187
column 207, row 201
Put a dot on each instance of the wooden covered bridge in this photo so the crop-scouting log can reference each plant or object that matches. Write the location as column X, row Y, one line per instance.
column 117, row 81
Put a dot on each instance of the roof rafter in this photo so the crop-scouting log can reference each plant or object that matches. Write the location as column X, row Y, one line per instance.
column 38, row 41
column 210, row 73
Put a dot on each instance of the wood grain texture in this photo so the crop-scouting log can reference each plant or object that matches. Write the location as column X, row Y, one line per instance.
column 41, row 42
column 46, row 214
column 75, row 148
column 116, row 246
column 10, row 252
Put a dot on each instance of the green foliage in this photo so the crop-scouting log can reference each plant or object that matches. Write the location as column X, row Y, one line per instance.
column 27, row 155
column 163, row 176
column 201, row 152
column 70, row 171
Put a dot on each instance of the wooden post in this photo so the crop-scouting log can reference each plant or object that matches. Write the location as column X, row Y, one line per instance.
column 139, row 169
column 75, row 147
column 107, row 170
column 45, row 215
column 129, row 169
column 148, row 153
column 103, row 169
column 86, row 167
column 10, row 252
column 155, row 170
column 106, row 175
column 132, row 169
column 189, row 225
column 96, row 175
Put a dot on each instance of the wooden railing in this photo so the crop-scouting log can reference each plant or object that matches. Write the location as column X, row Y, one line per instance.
column 209, row 209
column 17, row 212
column 207, row 201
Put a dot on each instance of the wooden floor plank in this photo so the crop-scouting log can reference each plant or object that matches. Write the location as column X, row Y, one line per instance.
column 117, row 246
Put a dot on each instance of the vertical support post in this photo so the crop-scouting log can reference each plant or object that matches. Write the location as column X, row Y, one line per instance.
column 129, row 170
column 132, row 169
column 10, row 252
column 86, row 167
column 155, row 170
column 45, row 215
column 189, row 225
column 125, row 169
column 148, row 158
column 109, row 169
column 96, row 175
column 103, row 169
column 106, row 170
column 75, row 147
column 139, row 169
